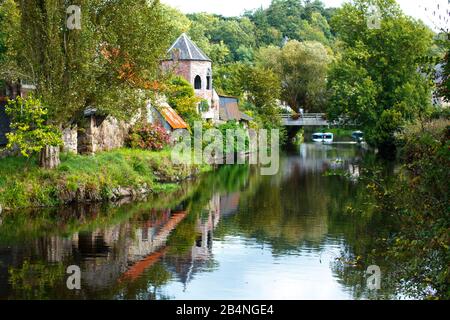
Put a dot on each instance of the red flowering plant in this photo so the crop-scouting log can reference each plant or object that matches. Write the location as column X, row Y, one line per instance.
column 148, row 137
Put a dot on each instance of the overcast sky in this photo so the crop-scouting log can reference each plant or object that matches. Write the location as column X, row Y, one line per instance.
column 413, row 8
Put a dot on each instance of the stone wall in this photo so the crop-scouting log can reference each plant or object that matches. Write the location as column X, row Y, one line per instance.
column 70, row 139
column 101, row 134
column 200, row 68
column 181, row 68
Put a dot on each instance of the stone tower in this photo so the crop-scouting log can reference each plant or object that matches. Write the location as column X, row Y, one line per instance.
column 185, row 59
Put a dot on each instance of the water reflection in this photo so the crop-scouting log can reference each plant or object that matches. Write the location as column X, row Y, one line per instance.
column 230, row 235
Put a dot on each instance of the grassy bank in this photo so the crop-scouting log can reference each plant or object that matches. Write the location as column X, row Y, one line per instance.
column 105, row 176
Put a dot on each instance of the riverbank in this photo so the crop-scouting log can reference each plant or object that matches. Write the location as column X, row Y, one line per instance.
column 413, row 203
column 106, row 176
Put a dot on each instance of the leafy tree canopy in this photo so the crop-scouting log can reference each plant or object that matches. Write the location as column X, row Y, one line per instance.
column 99, row 65
column 380, row 81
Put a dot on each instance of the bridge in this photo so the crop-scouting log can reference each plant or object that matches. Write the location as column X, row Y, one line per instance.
column 306, row 119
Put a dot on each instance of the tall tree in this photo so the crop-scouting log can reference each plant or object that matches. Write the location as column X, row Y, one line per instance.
column 103, row 65
column 262, row 88
column 444, row 86
column 378, row 82
column 9, row 44
column 106, row 64
column 302, row 68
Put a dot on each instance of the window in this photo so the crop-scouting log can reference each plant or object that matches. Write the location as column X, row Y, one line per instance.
column 197, row 83
column 208, row 80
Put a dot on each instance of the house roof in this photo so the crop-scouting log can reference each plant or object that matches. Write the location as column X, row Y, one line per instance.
column 172, row 117
column 186, row 50
column 230, row 111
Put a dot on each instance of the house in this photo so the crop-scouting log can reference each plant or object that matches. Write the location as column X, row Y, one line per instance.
column 187, row 60
column 229, row 110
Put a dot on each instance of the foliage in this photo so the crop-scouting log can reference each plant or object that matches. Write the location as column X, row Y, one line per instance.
column 9, row 46
column 30, row 129
column 421, row 205
column 444, row 85
column 88, row 178
column 226, row 79
column 262, row 87
column 33, row 279
column 378, row 82
column 99, row 65
column 180, row 95
column 203, row 106
column 236, row 39
column 149, row 137
column 413, row 203
column 242, row 135
column 302, row 68
column 292, row 19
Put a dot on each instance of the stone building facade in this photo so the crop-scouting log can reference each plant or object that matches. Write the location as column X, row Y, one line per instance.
column 94, row 134
column 188, row 61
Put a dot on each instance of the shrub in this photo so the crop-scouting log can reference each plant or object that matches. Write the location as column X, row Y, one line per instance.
column 30, row 129
column 148, row 137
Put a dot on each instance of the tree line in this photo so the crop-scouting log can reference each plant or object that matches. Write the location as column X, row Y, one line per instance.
column 314, row 58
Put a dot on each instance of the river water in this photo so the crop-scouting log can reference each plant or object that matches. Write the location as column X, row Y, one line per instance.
column 232, row 234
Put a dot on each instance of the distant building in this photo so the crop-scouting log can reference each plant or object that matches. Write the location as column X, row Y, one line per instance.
column 229, row 110
column 185, row 59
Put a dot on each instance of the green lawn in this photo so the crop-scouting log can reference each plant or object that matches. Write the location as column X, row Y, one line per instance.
column 92, row 178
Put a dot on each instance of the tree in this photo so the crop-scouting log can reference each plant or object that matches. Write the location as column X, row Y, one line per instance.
column 226, row 79
column 107, row 64
column 178, row 22
column 286, row 16
column 31, row 132
column 265, row 34
column 262, row 88
column 444, row 85
column 316, row 28
column 9, row 44
column 99, row 65
column 302, row 68
column 380, row 81
column 181, row 97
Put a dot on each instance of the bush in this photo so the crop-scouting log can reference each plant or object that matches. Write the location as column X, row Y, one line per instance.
column 31, row 131
column 148, row 137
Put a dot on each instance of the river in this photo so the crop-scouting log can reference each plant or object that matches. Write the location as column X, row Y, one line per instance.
column 232, row 234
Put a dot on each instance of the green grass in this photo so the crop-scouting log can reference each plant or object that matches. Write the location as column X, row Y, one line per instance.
column 87, row 178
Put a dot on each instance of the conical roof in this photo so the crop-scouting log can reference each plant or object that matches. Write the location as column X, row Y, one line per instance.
column 185, row 49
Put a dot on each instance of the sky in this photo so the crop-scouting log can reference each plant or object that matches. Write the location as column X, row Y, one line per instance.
column 414, row 8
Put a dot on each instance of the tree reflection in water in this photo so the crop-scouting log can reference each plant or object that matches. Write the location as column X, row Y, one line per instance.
column 145, row 250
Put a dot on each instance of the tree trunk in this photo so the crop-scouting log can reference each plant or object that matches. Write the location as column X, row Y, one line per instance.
column 49, row 157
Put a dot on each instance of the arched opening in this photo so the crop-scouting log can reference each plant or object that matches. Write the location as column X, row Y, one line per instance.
column 208, row 80
column 197, row 83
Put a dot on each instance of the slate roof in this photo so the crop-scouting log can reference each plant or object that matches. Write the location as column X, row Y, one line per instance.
column 229, row 110
column 186, row 50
